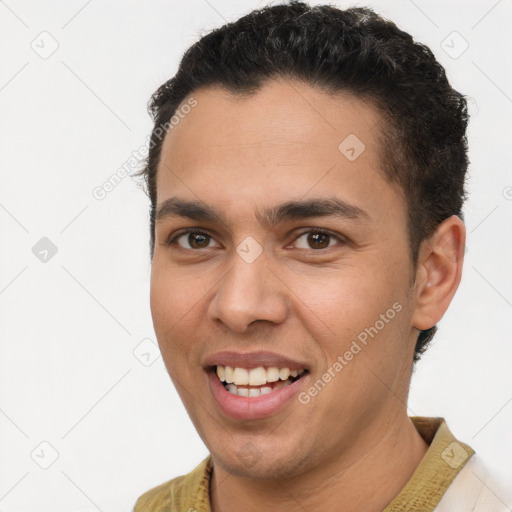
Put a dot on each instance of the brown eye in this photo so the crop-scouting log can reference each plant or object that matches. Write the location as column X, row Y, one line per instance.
column 316, row 240
column 198, row 240
column 194, row 239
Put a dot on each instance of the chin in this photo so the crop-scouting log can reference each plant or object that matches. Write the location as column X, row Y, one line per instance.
column 249, row 459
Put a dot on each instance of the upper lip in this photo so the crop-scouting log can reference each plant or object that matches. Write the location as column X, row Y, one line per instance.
column 252, row 360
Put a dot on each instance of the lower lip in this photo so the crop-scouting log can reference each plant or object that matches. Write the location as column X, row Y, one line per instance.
column 252, row 408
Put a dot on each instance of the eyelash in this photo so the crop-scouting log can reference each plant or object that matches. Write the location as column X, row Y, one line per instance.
column 172, row 239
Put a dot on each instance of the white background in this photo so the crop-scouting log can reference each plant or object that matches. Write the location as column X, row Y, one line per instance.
column 69, row 327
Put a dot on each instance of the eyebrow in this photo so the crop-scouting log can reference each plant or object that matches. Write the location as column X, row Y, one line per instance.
column 269, row 217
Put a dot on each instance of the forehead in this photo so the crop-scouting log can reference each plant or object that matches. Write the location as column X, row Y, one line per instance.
column 283, row 118
column 285, row 141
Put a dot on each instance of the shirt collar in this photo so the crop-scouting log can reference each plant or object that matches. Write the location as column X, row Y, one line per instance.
column 445, row 457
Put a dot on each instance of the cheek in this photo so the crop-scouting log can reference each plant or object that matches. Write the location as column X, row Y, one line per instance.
column 174, row 306
column 163, row 303
column 339, row 304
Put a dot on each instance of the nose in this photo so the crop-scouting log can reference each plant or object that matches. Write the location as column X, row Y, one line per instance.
column 249, row 292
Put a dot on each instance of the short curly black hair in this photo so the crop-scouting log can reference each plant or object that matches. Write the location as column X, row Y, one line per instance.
column 423, row 145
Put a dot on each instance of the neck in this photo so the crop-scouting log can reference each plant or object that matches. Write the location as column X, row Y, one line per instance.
column 366, row 477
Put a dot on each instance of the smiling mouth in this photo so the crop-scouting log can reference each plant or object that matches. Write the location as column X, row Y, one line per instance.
column 255, row 382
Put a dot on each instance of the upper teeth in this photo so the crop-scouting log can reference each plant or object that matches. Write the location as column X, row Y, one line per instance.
column 256, row 376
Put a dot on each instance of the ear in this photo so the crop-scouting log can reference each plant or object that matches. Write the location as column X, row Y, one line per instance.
column 438, row 272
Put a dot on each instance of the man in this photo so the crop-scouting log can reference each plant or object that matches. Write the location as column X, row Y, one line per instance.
column 306, row 175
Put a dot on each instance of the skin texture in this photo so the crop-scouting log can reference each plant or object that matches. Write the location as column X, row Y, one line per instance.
column 352, row 447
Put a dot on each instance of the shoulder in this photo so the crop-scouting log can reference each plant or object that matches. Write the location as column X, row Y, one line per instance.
column 178, row 493
column 158, row 498
column 476, row 488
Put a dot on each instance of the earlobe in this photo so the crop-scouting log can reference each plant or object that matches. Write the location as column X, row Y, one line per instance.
column 438, row 272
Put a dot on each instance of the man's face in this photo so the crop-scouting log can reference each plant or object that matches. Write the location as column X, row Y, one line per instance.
column 248, row 289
